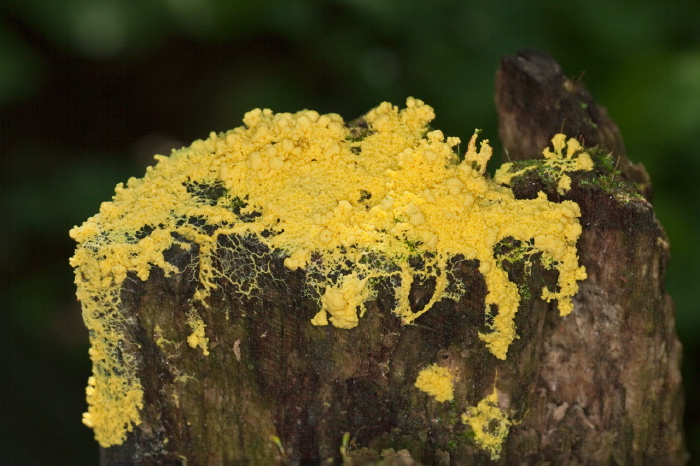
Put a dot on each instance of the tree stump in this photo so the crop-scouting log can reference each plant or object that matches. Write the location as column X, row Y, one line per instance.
column 231, row 369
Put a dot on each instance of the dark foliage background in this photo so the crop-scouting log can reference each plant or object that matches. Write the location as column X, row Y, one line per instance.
column 91, row 89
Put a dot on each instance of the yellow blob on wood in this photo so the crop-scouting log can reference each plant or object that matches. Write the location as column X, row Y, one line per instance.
column 436, row 381
column 489, row 423
column 327, row 198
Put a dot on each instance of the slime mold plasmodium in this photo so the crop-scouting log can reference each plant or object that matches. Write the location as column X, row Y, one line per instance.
column 436, row 381
column 489, row 424
column 310, row 186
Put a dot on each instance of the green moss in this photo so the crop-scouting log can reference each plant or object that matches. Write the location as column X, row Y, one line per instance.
column 524, row 291
column 607, row 176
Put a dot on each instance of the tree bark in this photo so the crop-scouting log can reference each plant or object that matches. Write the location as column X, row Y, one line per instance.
column 600, row 386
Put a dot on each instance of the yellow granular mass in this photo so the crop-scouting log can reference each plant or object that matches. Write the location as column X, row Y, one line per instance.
column 306, row 185
column 489, row 423
column 436, row 381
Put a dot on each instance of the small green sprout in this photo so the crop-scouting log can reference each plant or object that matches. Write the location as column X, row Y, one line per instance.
column 278, row 443
column 344, row 446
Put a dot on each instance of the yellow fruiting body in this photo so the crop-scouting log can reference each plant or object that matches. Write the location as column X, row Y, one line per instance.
column 305, row 185
column 437, row 382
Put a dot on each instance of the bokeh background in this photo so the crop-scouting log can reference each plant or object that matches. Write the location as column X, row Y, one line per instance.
column 91, row 89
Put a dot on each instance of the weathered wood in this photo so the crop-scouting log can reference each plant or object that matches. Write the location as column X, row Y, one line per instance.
column 599, row 386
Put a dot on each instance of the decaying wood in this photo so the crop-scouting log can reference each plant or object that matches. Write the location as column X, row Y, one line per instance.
column 600, row 386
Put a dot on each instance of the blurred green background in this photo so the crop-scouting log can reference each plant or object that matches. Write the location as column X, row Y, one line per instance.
column 91, row 89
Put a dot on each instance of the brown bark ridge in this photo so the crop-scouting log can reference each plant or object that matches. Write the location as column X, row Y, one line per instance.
column 600, row 386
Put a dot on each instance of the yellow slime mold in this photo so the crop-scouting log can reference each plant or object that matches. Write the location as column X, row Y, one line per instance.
column 436, row 381
column 309, row 186
column 489, row 423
